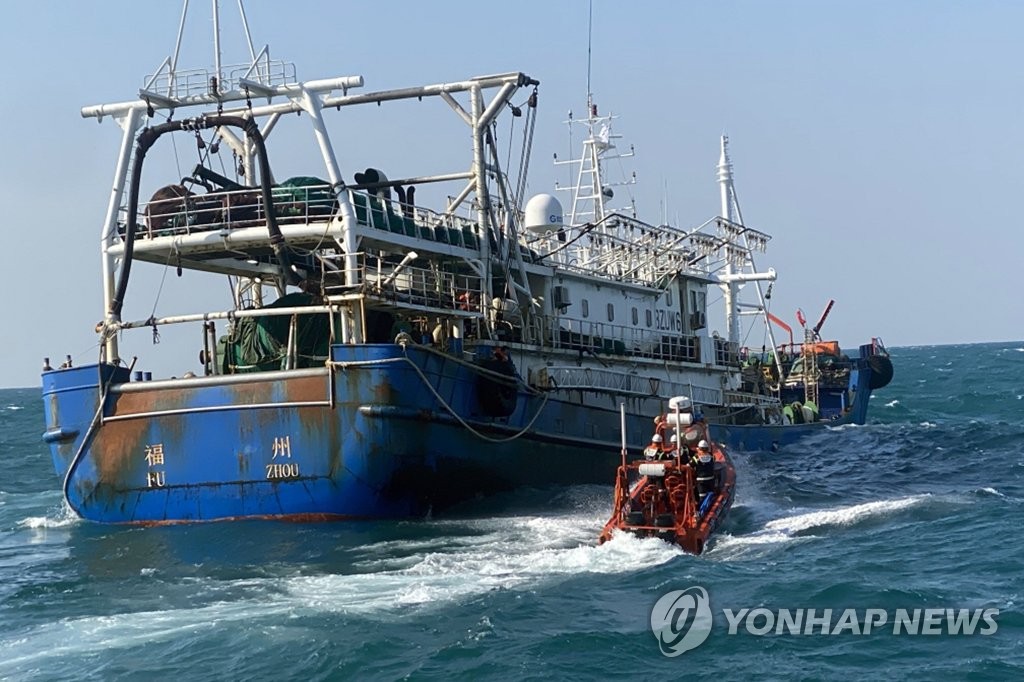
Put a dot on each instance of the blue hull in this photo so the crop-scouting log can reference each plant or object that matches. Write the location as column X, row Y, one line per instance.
column 839, row 407
column 367, row 441
column 368, row 438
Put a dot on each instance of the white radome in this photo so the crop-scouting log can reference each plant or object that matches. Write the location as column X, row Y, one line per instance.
column 543, row 214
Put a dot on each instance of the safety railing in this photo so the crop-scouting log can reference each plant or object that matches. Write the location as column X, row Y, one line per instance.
column 195, row 82
column 428, row 287
column 177, row 210
column 619, row 382
column 614, row 339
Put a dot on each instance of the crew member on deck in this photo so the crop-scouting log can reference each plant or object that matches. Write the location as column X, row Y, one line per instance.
column 654, row 450
column 660, row 425
column 704, row 468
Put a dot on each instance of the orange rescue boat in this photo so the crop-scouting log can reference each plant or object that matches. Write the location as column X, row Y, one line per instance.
column 678, row 494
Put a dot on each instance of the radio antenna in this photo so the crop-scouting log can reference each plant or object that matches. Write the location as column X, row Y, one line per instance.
column 590, row 37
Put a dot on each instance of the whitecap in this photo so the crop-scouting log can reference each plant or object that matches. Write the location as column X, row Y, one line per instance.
column 727, row 546
column 95, row 634
column 511, row 563
column 928, row 425
column 845, row 427
column 15, row 407
column 892, row 403
column 842, row 516
column 45, row 522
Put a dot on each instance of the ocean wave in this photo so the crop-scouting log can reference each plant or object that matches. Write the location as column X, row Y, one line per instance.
column 842, row 516
column 798, row 527
column 96, row 634
column 729, row 547
column 845, row 427
column 502, row 553
column 892, row 403
column 534, row 549
column 61, row 519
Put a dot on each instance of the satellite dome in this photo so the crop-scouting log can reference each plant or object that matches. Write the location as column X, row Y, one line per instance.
column 543, row 214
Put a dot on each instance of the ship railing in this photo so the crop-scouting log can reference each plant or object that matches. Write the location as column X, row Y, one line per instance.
column 620, row 382
column 426, row 224
column 737, row 398
column 290, row 356
column 196, row 82
column 622, row 340
column 415, row 221
column 402, row 284
column 176, row 210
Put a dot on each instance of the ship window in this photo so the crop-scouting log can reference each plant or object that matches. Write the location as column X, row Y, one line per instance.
column 636, row 317
column 650, row 317
column 585, row 307
column 611, row 312
column 698, row 301
column 668, row 297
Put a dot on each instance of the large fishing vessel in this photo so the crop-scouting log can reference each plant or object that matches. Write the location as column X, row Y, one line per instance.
column 381, row 358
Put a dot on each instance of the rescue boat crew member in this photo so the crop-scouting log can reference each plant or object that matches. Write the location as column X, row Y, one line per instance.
column 654, row 450
column 660, row 426
column 704, row 468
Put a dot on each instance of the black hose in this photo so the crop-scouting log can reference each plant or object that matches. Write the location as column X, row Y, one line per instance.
column 146, row 140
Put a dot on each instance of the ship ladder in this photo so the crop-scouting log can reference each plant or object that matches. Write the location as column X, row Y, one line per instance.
column 810, row 373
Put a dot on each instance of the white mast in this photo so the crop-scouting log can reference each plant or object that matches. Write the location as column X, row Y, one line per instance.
column 216, row 45
column 731, row 212
column 732, row 313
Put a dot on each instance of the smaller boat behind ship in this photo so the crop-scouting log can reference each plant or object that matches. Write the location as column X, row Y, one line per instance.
column 682, row 488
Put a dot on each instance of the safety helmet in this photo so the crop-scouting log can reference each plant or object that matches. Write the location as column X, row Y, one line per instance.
column 673, row 439
column 703, row 445
column 656, row 438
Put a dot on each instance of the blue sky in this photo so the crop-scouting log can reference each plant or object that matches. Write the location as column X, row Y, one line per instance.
column 878, row 142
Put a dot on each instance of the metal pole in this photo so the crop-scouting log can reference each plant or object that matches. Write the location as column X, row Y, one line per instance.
column 177, row 51
column 216, row 42
column 130, row 123
column 622, row 428
column 245, row 27
column 351, row 329
column 483, row 198
column 729, row 290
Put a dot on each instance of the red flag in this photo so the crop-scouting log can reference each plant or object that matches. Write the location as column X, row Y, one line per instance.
column 800, row 318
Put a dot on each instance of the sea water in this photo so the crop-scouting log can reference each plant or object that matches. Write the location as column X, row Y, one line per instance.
column 922, row 508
